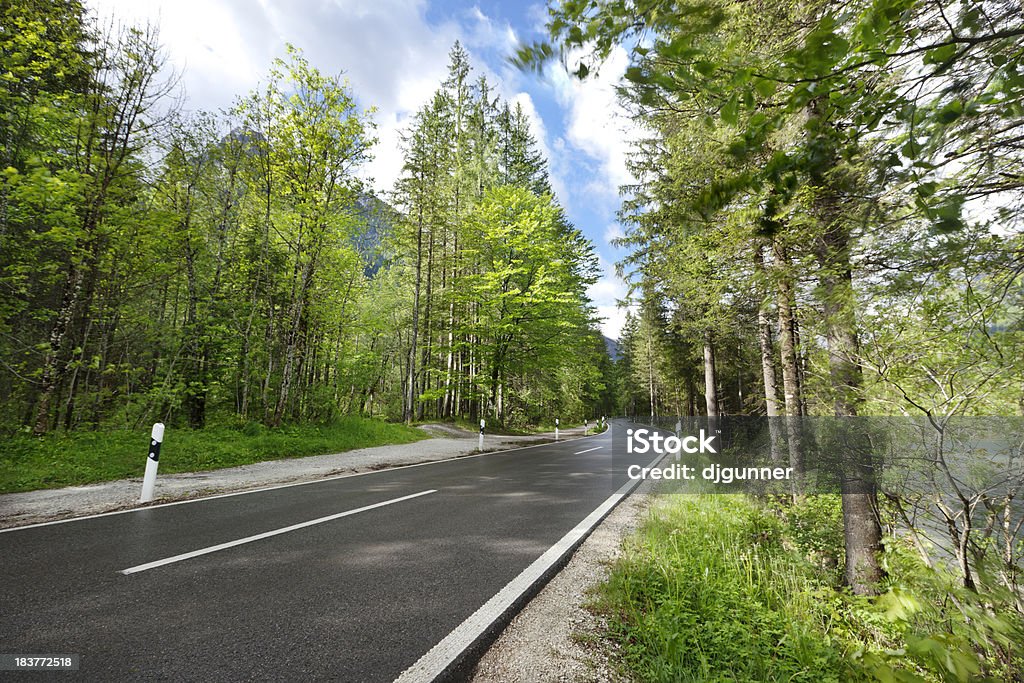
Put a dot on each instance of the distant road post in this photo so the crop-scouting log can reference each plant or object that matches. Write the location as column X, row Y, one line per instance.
column 483, row 424
column 556, row 429
column 149, row 480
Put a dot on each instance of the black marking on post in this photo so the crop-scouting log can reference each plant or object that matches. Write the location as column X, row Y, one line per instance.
column 154, row 450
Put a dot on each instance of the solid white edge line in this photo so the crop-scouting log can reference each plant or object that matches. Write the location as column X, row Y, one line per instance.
column 296, row 483
column 440, row 658
column 267, row 534
column 595, row 448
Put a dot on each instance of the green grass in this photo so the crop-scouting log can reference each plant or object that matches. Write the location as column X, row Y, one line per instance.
column 709, row 593
column 28, row 463
column 722, row 588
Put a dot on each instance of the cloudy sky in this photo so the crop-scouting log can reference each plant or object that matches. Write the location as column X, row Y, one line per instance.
column 395, row 54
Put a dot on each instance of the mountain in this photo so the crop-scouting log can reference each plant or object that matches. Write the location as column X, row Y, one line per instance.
column 612, row 347
column 377, row 218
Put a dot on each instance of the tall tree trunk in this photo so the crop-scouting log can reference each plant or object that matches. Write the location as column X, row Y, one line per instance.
column 294, row 340
column 410, row 399
column 427, row 325
column 862, row 528
column 764, row 326
column 650, row 369
column 195, row 393
column 710, row 376
column 771, row 400
column 787, row 336
column 861, row 525
column 52, row 370
column 791, row 389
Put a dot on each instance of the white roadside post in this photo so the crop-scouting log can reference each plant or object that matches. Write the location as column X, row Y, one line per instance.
column 149, row 480
column 679, row 428
column 556, row 429
column 482, row 425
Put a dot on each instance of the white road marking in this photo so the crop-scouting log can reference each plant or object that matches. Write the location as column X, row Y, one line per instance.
column 589, row 449
column 445, row 655
column 268, row 534
column 297, row 483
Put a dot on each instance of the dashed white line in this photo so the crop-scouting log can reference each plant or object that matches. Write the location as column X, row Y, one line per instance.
column 588, row 450
column 268, row 534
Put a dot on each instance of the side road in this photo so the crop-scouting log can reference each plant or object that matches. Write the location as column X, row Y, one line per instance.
column 31, row 507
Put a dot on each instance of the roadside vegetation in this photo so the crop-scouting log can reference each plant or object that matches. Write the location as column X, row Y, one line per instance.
column 30, row 462
column 726, row 588
column 826, row 226
column 162, row 263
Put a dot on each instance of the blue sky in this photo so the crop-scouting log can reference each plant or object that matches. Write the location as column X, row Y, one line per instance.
column 395, row 53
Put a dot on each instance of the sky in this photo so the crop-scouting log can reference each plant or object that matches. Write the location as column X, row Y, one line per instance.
column 395, row 55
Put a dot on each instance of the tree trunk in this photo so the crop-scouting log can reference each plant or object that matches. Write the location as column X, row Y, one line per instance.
column 861, row 525
column 710, row 376
column 410, row 401
column 650, row 370
column 771, row 400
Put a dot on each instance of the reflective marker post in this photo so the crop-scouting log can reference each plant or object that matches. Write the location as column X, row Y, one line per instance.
column 149, row 480
column 482, row 425
column 556, row 429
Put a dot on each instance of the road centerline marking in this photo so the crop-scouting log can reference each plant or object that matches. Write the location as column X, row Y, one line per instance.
column 267, row 534
column 588, row 450
column 275, row 487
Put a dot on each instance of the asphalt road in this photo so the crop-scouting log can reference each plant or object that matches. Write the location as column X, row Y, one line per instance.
column 359, row 597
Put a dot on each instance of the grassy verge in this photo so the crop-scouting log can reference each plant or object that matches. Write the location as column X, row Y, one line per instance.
column 720, row 588
column 28, row 463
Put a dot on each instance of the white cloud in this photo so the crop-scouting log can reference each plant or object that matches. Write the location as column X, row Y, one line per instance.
column 485, row 32
column 606, row 294
column 596, row 123
column 393, row 59
column 613, row 232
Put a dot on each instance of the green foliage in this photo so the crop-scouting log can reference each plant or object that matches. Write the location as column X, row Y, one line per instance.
column 715, row 587
column 31, row 462
column 501, row 323
column 235, row 267
column 710, row 593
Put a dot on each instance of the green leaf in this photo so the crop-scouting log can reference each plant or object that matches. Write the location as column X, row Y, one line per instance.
column 950, row 113
column 730, row 112
column 940, row 55
column 764, row 87
column 704, row 68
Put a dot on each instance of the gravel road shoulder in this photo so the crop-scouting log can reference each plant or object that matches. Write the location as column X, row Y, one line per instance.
column 554, row 638
column 30, row 507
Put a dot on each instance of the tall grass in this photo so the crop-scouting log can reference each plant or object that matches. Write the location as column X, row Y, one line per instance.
column 722, row 588
column 709, row 593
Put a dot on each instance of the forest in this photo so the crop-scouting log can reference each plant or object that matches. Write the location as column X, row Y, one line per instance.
column 234, row 267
